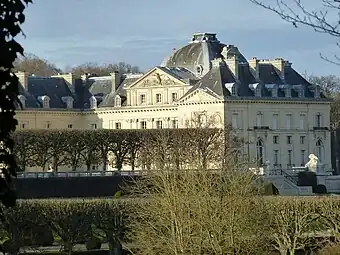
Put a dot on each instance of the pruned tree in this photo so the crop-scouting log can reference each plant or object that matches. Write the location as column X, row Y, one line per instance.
column 42, row 148
column 58, row 142
column 24, row 149
column 90, row 155
column 325, row 20
column 134, row 146
column 74, row 148
column 35, row 65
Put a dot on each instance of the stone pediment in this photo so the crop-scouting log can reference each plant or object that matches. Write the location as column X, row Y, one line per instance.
column 157, row 78
column 198, row 95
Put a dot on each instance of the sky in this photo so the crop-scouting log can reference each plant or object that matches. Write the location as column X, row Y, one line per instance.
column 143, row 33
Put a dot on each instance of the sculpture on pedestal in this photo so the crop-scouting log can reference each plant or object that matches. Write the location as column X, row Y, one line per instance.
column 313, row 163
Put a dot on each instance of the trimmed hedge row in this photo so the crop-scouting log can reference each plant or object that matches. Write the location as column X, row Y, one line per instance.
column 37, row 223
column 77, row 148
column 289, row 224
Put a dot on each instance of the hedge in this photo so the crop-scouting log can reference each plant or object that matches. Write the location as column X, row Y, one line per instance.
column 77, row 148
column 37, row 223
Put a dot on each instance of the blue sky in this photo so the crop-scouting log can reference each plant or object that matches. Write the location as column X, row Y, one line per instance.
column 143, row 33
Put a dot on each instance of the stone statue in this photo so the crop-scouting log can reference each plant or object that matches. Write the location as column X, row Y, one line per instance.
column 312, row 164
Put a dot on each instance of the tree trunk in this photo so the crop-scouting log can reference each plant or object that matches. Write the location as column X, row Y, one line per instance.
column 115, row 248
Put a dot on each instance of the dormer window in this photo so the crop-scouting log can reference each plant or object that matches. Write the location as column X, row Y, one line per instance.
column 275, row 91
column 45, row 101
column 93, row 102
column 22, row 100
column 301, row 91
column 232, row 88
column 199, row 70
column 288, row 91
column 68, row 101
column 118, row 101
column 258, row 91
column 317, row 91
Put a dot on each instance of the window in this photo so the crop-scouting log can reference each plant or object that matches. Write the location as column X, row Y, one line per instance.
column 234, row 90
column 174, row 124
column 142, row 99
column 288, row 91
column 274, row 91
column 259, row 119
column 275, row 139
column 258, row 91
column 289, row 139
column 288, row 121
column 93, row 102
column 302, row 121
column 143, row 124
column 275, row 121
column 276, row 157
column 319, row 150
column 118, row 125
column 260, row 152
column 94, row 126
column 48, row 124
column 174, row 96
column 23, row 124
column 234, row 118
column 159, row 124
column 69, row 126
column 302, row 139
column 118, row 101
column 317, row 91
column 303, row 156
column 290, row 158
column 46, row 102
column 318, row 122
column 301, row 92
column 158, row 98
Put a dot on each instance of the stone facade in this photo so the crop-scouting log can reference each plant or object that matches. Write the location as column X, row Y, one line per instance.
column 282, row 116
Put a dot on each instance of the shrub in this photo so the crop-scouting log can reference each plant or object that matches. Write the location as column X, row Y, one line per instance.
column 331, row 249
column 94, row 243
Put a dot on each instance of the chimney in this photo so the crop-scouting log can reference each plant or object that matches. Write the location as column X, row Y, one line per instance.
column 232, row 63
column 279, row 65
column 115, row 80
column 23, row 79
column 254, row 67
column 68, row 77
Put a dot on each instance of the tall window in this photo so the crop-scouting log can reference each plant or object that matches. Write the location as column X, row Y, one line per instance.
column 302, row 139
column 319, row 150
column 288, row 121
column 234, row 118
column 143, row 124
column 289, row 139
column 259, row 119
column 174, row 123
column 275, row 139
column 48, row 124
column 159, row 124
column 318, row 121
column 142, row 99
column 303, row 156
column 275, row 121
column 302, row 121
column 118, row 101
column 118, row 125
column 234, row 90
column 276, row 157
column 174, row 96
column 260, row 152
column 93, row 126
column 46, row 102
column 158, row 98
column 290, row 158
column 70, row 126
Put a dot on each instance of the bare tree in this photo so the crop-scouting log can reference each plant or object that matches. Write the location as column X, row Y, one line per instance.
column 35, row 65
column 326, row 20
column 197, row 210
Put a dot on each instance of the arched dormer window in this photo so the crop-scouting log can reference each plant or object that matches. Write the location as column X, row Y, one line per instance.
column 258, row 90
column 118, row 101
column 68, row 101
column 232, row 88
column 45, row 100
column 301, row 91
column 93, row 102
column 275, row 89
column 317, row 91
column 288, row 91
column 22, row 100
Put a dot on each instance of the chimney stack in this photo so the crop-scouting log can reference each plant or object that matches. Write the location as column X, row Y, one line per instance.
column 115, row 80
column 23, row 79
column 279, row 65
column 254, row 67
column 232, row 63
column 68, row 77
